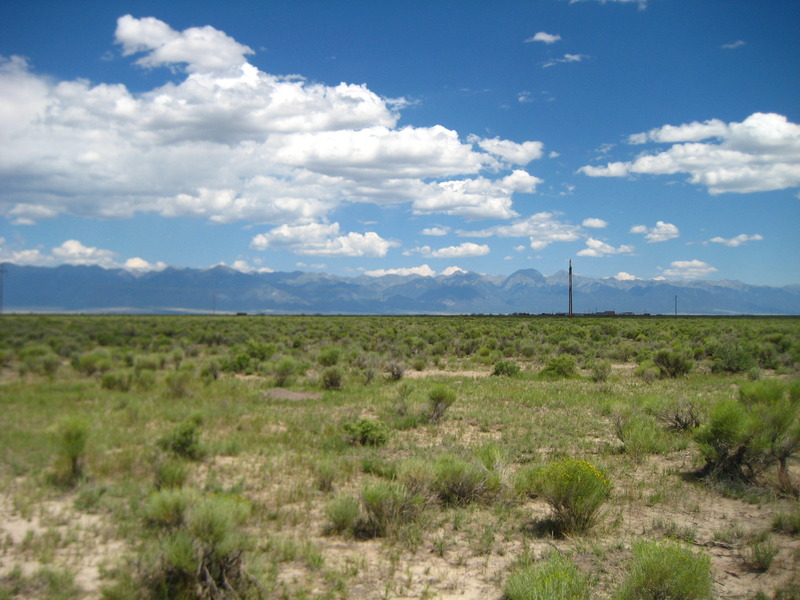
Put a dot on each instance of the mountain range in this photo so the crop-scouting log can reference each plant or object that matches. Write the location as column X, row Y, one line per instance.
column 93, row 289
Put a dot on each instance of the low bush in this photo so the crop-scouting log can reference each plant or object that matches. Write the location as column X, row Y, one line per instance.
column 328, row 356
column 72, row 437
column 366, row 432
column 332, row 378
column 167, row 508
column 672, row 364
column 457, row 481
column 120, row 381
column 666, row 571
column 600, row 371
column 183, row 441
column 440, row 399
column 388, row 505
column 641, row 436
column 732, row 357
column 343, row 512
column 562, row 366
column 575, row 491
column 284, row 370
column 506, row 367
column 555, row 578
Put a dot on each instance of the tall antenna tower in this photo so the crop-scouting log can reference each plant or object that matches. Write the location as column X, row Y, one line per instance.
column 570, row 288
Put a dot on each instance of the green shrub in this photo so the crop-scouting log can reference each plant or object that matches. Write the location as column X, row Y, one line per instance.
column 600, row 370
column 732, row 357
column 343, row 512
column 457, row 481
column 562, row 366
column 167, row 508
column 72, row 437
column 170, row 473
column 284, row 370
column 440, row 399
column 395, row 369
column 575, row 491
column 742, row 439
column 178, row 383
column 506, row 367
column 328, row 356
column 332, row 378
column 666, row 571
column 388, row 505
column 367, row 432
column 90, row 363
column 120, row 381
column 672, row 364
column 183, row 441
column 555, row 578
column 641, row 436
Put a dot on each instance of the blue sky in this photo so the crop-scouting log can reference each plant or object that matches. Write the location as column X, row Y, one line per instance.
column 638, row 138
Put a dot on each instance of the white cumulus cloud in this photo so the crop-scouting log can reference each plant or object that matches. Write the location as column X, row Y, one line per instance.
column 227, row 142
column 542, row 229
column 689, row 269
column 317, row 239
column 597, row 249
column 623, row 276
column 761, row 153
column 594, row 223
column 464, row 250
column 737, row 240
column 423, row 271
column 544, row 37
column 661, row 232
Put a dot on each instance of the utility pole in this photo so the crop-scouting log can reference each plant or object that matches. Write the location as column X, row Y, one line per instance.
column 2, row 272
column 570, row 288
column 676, row 305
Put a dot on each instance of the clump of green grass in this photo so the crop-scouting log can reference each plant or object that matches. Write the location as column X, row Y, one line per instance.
column 660, row 571
column 458, row 482
column 72, row 434
column 555, row 578
column 440, row 399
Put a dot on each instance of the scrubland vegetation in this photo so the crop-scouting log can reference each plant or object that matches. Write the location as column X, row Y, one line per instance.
column 511, row 458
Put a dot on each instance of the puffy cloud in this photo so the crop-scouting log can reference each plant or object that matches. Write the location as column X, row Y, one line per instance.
column 542, row 228
column 228, row 142
column 597, row 249
column 452, row 271
column 202, row 49
column 140, row 265
column 689, row 269
column 738, row 240
column 545, row 38
column 623, row 276
column 424, row 271
column 316, row 239
column 517, row 154
column 479, row 198
column 74, row 253
column 660, row 233
column 463, row 250
column 759, row 154
column 594, row 223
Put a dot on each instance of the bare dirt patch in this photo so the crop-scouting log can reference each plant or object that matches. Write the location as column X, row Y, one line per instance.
column 284, row 394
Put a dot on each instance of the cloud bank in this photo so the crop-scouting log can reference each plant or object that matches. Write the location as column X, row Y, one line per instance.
column 761, row 153
column 227, row 142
